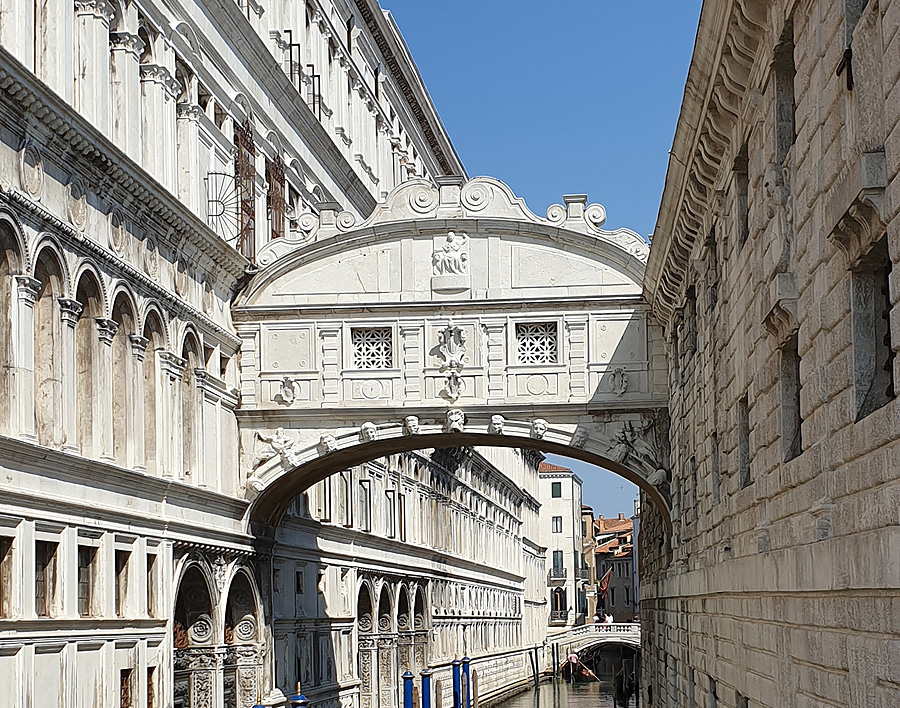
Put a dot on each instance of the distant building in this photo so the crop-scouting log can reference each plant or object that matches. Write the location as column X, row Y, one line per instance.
column 560, row 494
column 588, row 572
column 614, row 551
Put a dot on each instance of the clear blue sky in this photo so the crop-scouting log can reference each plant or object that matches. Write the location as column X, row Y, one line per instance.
column 572, row 97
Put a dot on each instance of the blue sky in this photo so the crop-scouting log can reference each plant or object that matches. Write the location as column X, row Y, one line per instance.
column 572, row 97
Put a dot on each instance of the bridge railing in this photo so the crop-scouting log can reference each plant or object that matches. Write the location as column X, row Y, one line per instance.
column 573, row 633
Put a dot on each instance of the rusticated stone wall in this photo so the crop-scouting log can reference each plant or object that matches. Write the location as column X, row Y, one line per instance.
column 778, row 240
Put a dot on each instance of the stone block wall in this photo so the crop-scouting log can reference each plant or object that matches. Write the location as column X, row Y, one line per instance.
column 783, row 585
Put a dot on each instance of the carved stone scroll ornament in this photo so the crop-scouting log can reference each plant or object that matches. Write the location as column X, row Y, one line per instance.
column 456, row 419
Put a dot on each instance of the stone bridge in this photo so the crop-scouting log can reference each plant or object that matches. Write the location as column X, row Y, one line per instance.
column 578, row 639
column 451, row 316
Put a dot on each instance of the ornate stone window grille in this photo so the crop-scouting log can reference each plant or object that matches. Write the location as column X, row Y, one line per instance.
column 275, row 202
column 373, row 347
column 537, row 343
column 245, row 181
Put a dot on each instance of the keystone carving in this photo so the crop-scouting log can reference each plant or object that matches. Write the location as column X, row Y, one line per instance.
column 539, row 428
column 327, row 444
column 579, row 439
column 456, row 419
column 368, row 432
column 411, row 425
column 496, row 426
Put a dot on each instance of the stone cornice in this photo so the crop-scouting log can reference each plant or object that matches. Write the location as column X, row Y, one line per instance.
column 32, row 102
column 72, row 236
column 398, row 60
column 723, row 70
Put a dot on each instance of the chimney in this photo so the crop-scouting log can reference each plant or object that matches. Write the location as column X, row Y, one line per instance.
column 621, row 517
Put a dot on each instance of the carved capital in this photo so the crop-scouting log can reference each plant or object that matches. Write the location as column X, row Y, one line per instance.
column 138, row 345
column 99, row 9
column 126, row 42
column 158, row 74
column 106, row 329
column 172, row 364
column 28, row 289
column 188, row 111
column 70, row 310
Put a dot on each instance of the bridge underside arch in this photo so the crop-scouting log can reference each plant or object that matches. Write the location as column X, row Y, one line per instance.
column 453, row 316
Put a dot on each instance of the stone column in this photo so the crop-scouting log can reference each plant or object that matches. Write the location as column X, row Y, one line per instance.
column 249, row 667
column 126, row 93
column 386, row 649
column 22, row 384
column 102, row 432
column 92, row 64
column 188, row 147
column 495, row 332
column 70, row 311
column 411, row 337
column 330, row 334
column 577, row 327
column 138, row 454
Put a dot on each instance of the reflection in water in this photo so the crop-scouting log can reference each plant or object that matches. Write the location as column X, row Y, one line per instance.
column 563, row 695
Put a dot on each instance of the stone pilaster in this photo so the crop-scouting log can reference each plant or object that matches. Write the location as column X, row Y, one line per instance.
column 411, row 343
column 22, row 385
column 188, row 141
column 159, row 89
column 136, row 434
column 577, row 328
column 330, row 334
column 125, row 51
column 103, row 403
column 495, row 333
column 168, row 411
column 92, row 66
column 70, row 311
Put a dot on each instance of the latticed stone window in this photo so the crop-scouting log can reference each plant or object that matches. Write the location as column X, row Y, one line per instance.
column 537, row 343
column 373, row 347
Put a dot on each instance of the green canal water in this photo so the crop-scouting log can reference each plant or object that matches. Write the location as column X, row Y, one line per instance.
column 563, row 695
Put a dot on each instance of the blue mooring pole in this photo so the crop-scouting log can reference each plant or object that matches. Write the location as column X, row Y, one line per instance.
column 468, row 694
column 298, row 700
column 457, row 703
column 407, row 689
column 426, row 688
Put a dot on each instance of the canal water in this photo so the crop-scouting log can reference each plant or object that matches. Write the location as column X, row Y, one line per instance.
column 564, row 695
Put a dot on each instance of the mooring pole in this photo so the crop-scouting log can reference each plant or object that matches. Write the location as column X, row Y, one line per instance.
column 407, row 689
column 467, row 693
column 457, row 703
column 426, row 688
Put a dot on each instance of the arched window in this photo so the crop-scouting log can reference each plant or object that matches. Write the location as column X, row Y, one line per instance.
column 10, row 265
column 384, row 611
column 154, row 334
column 403, row 618
column 190, row 408
column 193, row 625
column 241, row 626
column 47, row 357
column 86, row 352
column 123, row 372
column 364, row 610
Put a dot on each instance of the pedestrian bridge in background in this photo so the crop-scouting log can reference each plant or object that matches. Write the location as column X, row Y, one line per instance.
column 577, row 639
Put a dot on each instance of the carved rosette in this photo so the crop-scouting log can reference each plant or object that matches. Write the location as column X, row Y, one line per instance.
column 76, row 202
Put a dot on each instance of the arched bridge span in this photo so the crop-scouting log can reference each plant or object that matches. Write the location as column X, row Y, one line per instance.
column 451, row 316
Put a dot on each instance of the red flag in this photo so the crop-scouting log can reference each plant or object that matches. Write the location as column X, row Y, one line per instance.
column 603, row 585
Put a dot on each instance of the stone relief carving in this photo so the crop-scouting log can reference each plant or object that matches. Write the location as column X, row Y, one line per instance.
column 76, row 202
column 368, row 432
column 327, row 444
column 287, row 392
column 456, row 419
column 496, row 425
column 200, row 631
column 780, row 212
column 451, row 354
column 280, row 444
column 151, row 256
column 117, row 234
column 630, row 444
column 31, row 170
column 411, row 425
column 579, row 439
column 618, row 381
column 452, row 257
column 220, row 570
column 539, row 428
column 659, row 478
